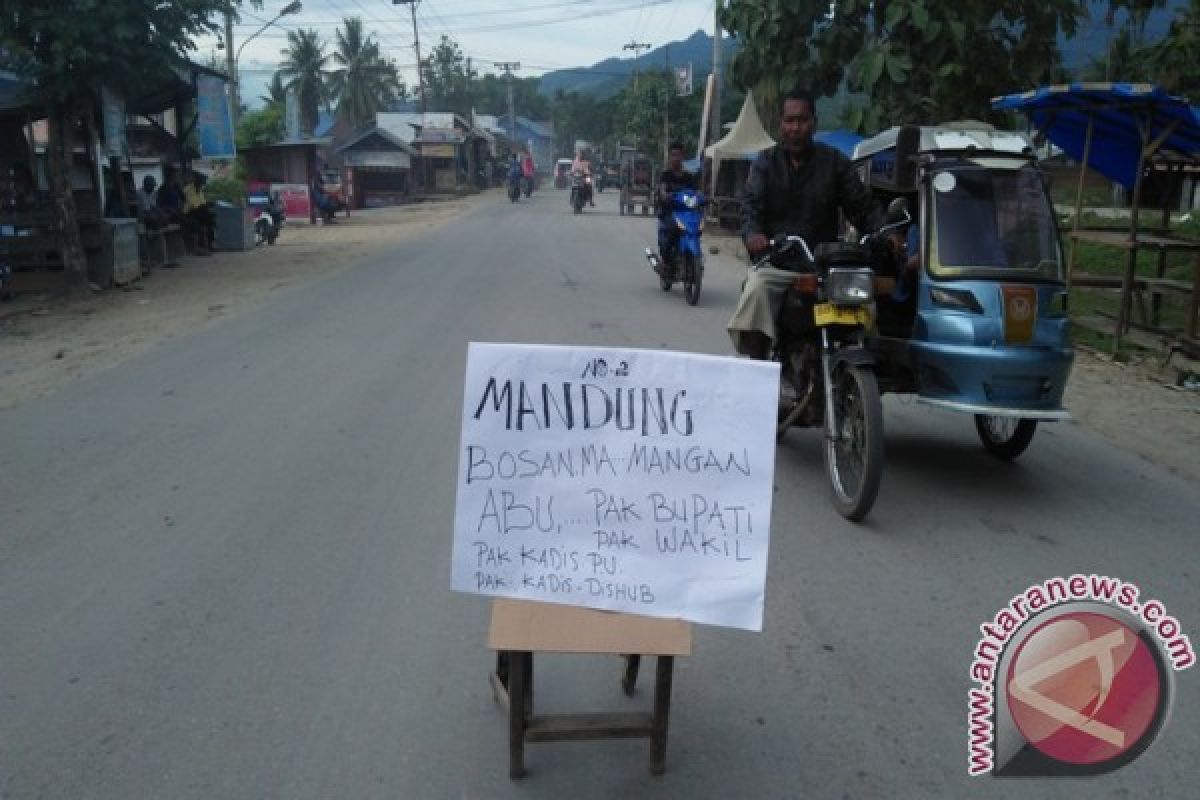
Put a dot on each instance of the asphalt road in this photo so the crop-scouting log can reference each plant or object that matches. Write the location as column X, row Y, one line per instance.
column 224, row 565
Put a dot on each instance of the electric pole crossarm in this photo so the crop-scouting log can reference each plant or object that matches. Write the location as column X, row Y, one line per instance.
column 509, row 67
column 637, row 48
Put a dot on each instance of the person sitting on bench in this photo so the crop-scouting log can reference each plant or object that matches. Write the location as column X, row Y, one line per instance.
column 199, row 218
column 149, row 213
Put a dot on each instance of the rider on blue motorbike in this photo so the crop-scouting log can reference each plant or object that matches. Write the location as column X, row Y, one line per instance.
column 672, row 180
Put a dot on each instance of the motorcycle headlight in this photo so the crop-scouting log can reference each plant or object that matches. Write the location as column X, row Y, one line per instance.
column 680, row 225
column 850, row 287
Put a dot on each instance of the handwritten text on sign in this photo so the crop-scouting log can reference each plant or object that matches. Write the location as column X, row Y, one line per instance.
column 627, row 480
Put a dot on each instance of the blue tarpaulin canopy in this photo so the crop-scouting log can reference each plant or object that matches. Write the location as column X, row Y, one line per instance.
column 842, row 139
column 1129, row 120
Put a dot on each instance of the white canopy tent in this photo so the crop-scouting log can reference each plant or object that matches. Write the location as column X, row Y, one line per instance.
column 747, row 139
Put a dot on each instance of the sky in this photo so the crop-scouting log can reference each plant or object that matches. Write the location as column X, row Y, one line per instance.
column 542, row 35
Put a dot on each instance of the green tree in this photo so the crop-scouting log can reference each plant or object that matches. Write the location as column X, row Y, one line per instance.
column 304, row 69
column 257, row 128
column 1174, row 62
column 276, row 91
column 70, row 49
column 447, row 84
column 363, row 82
column 911, row 60
column 578, row 115
column 489, row 95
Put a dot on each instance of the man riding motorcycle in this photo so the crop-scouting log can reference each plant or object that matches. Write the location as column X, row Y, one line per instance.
column 794, row 188
column 514, row 176
column 583, row 166
column 670, row 181
column 528, row 170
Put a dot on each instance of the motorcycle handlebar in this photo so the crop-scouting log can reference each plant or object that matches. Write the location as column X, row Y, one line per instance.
column 782, row 244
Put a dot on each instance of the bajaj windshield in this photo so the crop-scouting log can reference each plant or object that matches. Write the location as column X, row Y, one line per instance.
column 993, row 222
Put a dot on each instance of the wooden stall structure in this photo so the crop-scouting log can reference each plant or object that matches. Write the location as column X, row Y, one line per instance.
column 378, row 168
column 1126, row 132
column 290, row 168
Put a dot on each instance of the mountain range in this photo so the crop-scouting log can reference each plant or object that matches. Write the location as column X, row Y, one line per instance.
column 607, row 77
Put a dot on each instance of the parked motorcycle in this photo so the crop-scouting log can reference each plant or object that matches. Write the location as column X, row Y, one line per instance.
column 581, row 191
column 684, row 257
column 269, row 217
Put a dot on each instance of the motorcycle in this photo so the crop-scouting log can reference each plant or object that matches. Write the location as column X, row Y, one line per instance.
column 527, row 185
column 684, row 257
column 269, row 217
column 581, row 191
column 514, row 189
column 827, row 372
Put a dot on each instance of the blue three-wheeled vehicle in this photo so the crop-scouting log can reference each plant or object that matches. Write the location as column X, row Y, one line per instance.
column 960, row 300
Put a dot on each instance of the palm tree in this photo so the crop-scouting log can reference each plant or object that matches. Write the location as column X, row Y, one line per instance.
column 276, row 92
column 303, row 68
column 364, row 81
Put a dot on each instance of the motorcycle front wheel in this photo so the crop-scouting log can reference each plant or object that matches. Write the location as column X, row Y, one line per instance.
column 854, row 454
column 691, row 280
column 1005, row 437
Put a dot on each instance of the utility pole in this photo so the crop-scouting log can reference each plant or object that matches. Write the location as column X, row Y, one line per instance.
column 508, row 67
column 667, row 109
column 637, row 48
column 231, row 67
column 715, row 126
column 412, row 5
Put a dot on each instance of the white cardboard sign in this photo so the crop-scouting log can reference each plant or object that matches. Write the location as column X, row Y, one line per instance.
column 628, row 480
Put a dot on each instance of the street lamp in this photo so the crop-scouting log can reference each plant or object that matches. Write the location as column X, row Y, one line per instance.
column 294, row 7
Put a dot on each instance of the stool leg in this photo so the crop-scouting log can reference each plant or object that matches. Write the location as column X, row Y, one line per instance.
column 630, row 675
column 528, row 667
column 662, row 713
column 516, row 714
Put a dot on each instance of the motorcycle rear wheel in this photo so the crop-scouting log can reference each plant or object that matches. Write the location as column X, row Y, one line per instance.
column 1005, row 437
column 691, row 280
column 854, row 460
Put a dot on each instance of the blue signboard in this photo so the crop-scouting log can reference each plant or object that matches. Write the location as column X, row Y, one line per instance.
column 215, row 123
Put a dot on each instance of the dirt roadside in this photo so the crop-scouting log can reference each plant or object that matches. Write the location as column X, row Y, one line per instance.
column 45, row 346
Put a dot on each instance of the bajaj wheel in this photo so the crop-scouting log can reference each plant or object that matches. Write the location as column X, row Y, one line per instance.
column 1005, row 437
column 261, row 231
column 854, row 455
column 691, row 279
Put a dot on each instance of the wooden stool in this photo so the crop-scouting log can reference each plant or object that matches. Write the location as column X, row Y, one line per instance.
column 520, row 628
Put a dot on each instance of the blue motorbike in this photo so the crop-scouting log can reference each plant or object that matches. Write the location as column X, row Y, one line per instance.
column 682, row 255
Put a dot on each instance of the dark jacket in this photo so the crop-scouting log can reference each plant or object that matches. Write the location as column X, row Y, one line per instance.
column 806, row 203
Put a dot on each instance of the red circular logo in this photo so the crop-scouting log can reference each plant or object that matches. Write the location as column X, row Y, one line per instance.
column 1085, row 688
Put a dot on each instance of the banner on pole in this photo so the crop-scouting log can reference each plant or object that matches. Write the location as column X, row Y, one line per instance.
column 628, row 480
column 113, row 113
column 214, row 125
column 683, row 79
